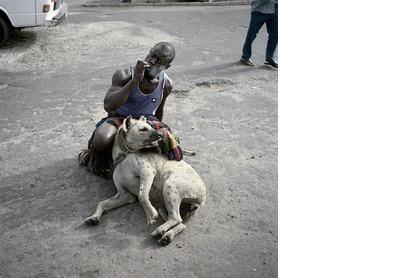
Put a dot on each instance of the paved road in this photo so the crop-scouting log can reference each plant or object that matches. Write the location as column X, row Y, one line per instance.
column 52, row 83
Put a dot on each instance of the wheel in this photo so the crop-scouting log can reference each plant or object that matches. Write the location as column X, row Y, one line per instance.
column 4, row 31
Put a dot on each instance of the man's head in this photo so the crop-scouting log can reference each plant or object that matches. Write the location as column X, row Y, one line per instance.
column 160, row 58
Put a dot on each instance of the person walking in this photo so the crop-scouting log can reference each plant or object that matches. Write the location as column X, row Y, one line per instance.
column 262, row 12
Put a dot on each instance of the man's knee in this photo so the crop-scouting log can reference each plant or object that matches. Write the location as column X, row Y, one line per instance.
column 104, row 137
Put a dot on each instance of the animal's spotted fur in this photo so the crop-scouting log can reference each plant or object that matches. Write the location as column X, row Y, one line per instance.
column 167, row 185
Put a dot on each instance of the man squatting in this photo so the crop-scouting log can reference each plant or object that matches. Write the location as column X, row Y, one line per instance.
column 139, row 90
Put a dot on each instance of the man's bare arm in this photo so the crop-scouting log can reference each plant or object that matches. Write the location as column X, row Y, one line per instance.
column 122, row 85
column 167, row 90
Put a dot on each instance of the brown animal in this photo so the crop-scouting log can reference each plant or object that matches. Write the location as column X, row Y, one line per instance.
column 157, row 182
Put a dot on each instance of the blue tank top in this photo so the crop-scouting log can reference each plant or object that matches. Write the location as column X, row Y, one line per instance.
column 139, row 104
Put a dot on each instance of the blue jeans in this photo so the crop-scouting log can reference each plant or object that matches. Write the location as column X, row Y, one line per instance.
column 257, row 21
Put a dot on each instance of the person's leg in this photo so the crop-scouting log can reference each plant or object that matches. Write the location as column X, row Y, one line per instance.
column 97, row 157
column 256, row 22
column 272, row 29
column 104, row 135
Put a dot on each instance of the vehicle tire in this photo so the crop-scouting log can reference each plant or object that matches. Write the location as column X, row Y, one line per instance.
column 4, row 31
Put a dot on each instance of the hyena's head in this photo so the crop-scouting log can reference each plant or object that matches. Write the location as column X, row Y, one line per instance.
column 139, row 134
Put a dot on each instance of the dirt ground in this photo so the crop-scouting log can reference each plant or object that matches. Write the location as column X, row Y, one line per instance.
column 51, row 93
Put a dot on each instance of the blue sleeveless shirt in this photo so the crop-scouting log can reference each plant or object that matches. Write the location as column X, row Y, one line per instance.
column 139, row 104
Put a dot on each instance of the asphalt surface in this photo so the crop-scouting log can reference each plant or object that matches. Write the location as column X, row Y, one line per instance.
column 52, row 84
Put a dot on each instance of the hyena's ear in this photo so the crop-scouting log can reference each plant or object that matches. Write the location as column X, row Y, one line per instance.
column 126, row 123
column 143, row 119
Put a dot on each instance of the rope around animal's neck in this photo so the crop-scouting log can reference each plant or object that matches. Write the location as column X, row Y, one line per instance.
column 121, row 141
column 118, row 160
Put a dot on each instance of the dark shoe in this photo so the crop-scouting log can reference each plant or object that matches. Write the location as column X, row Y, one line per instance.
column 247, row 62
column 271, row 63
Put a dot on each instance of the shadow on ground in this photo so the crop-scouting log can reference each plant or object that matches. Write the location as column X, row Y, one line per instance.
column 43, row 216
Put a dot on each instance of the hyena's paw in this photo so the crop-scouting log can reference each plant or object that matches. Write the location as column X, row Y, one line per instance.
column 152, row 219
column 152, row 216
column 92, row 220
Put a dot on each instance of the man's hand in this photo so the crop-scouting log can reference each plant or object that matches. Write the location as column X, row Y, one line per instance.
column 140, row 68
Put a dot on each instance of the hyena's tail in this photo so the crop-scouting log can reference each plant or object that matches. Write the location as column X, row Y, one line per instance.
column 191, row 153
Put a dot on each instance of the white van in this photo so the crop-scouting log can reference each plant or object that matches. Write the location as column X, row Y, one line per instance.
column 17, row 14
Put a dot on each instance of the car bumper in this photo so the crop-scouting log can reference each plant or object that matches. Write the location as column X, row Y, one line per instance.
column 58, row 18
